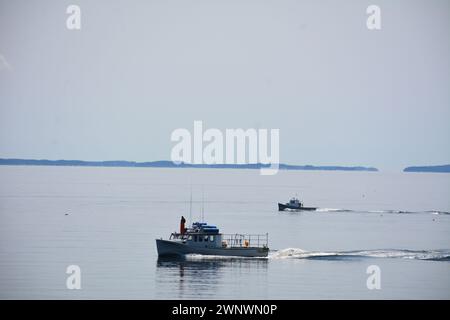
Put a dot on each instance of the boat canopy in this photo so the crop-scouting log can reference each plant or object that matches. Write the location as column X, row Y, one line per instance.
column 204, row 227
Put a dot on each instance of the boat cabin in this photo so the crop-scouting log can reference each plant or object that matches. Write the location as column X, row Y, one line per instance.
column 200, row 235
column 208, row 236
column 295, row 202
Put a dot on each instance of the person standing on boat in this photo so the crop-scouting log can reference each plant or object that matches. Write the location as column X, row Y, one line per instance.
column 182, row 223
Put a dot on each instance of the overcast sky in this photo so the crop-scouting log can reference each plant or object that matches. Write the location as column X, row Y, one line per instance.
column 116, row 89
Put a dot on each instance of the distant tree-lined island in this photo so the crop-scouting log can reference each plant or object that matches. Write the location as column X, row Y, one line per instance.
column 441, row 168
column 170, row 164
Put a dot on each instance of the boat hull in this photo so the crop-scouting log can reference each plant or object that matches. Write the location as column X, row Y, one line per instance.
column 283, row 207
column 172, row 248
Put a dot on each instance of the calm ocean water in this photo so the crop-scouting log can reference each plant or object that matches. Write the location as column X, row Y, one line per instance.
column 106, row 220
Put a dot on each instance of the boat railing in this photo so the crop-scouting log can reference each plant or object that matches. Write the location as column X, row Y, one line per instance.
column 245, row 240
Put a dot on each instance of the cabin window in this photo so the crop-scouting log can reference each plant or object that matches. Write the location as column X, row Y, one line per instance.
column 195, row 238
column 211, row 238
column 190, row 237
column 206, row 238
column 200, row 238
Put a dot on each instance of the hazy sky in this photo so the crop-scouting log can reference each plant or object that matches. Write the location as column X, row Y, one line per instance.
column 116, row 89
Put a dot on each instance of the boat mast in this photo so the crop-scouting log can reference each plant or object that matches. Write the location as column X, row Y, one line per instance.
column 190, row 206
column 203, row 205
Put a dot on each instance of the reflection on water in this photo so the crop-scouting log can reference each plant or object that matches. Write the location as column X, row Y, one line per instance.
column 202, row 277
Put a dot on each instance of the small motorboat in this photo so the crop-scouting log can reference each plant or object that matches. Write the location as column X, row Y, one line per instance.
column 206, row 239
column 294, row 204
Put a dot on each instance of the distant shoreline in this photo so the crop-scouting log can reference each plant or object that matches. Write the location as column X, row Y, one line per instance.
column 439, row 169
column 170, row 164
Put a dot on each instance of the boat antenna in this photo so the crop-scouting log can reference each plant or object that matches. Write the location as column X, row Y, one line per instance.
column 203, row 205
column 190, row 204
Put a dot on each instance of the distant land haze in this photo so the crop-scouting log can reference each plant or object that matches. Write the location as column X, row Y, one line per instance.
column 170, row 164
column 441, row 168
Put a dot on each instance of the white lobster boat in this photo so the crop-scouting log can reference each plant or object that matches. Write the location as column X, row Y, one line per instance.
column 206, row 239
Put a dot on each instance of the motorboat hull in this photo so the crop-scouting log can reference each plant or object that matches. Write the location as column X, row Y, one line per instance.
column 176, row 248
column 283, row 207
